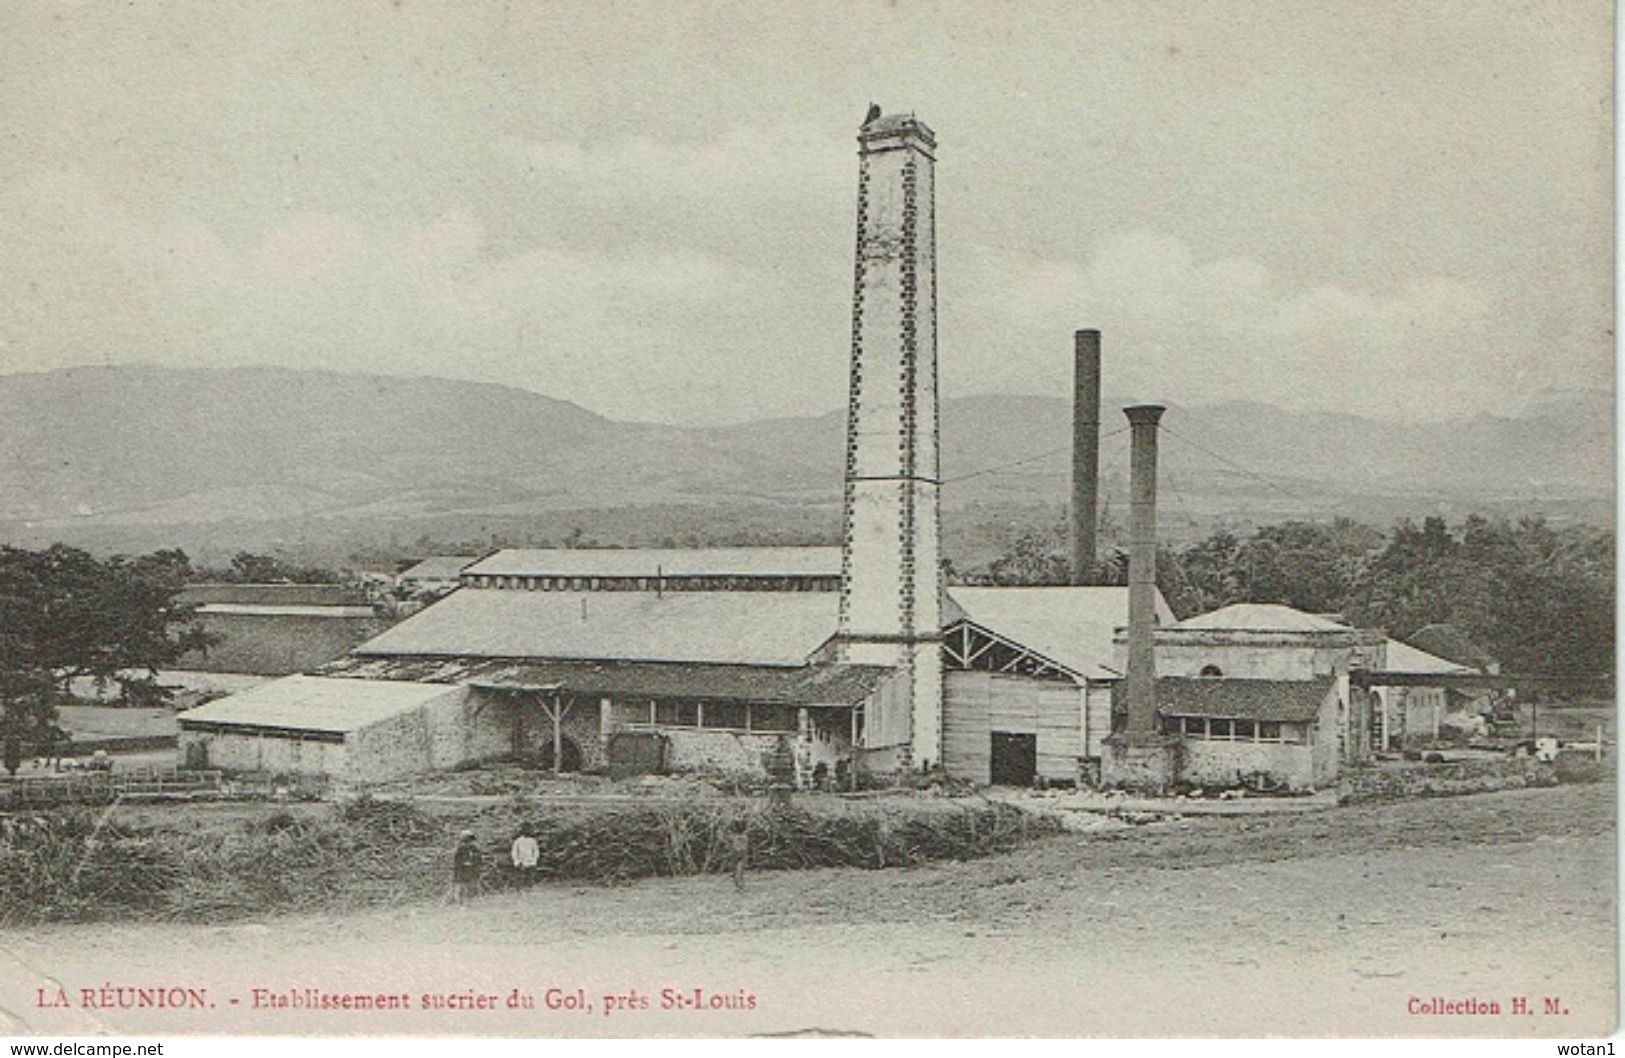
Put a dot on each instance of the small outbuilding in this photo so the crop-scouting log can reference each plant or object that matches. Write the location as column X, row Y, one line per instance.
column 277, row 629
column 346, row 730
column 1237, row 731
column 1412, row 715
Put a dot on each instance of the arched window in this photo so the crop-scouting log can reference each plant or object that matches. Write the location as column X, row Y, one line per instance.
column 1211, row 670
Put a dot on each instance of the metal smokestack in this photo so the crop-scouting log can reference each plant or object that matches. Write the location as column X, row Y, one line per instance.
column 1085, row 452
column 1139, row 682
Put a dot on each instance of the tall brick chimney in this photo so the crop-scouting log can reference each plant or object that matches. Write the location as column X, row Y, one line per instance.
column 1139, row 690
column 1138, row 756
column 891, row 578
column 1085, row 453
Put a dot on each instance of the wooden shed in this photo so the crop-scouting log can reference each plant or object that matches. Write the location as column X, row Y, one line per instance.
column 1026, row 681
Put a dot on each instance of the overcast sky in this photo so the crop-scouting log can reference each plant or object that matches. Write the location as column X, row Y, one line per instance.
column 1393, row 207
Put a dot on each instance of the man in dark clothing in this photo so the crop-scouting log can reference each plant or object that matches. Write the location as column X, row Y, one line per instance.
column 465, row 868
column 739, row 851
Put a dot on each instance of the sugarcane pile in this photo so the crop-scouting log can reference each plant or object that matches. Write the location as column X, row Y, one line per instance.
column 362, row 854
column 80, row 865
column 71, row 865
column 678, row 839
column 74, row 866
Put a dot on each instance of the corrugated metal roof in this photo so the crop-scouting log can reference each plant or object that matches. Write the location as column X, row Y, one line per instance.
column 1262, row 617
column 811, row 685
column 1402, row 657
column 249, row 610
column 273, row 594
column 1291, row 700
column 1072, row 626
column 409, row 668
column 1451, row 643
column 743, row 628
column 316, row 703
column 671, row 562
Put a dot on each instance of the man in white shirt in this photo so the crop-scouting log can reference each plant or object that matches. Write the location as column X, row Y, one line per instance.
column 526, row 855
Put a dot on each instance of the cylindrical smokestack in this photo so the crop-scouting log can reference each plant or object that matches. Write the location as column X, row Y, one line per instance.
column 1140, row 681
column 1085, row 452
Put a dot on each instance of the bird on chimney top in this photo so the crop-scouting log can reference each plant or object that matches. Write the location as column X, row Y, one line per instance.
column 874, row 112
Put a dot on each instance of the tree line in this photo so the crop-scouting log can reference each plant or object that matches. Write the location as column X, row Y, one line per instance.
column 1540, row 598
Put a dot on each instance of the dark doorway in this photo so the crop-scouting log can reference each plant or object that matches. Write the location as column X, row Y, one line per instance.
column 1015, row 759
column 569, row 756
column 636, row 753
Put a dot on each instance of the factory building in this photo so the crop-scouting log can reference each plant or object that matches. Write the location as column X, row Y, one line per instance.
column 847, row 660
column 682, row 680
column 277, row 629
column 1261, row 693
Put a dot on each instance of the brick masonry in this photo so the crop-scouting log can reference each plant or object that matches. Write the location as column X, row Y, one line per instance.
column 891, row 586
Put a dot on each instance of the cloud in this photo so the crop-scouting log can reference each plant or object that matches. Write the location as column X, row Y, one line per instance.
column 647, row 329
column 657, row 323
column 782, row 160
column 1182, row 328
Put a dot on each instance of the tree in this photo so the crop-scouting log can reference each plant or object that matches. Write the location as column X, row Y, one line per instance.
column 250, row 568
column 1202, row 577
column 1035, row 557
column 1306, row 565
column 27, row 679
column 65, row 614
column 1538, row 598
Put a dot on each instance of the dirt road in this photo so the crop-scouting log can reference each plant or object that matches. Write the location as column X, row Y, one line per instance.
column 1358, row 921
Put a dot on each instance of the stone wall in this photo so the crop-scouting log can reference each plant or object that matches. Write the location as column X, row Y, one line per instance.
column 267, row 754
column 1443, row 780
column 528, row 722
column 740, row 752
column 1142, row 764
column 888, row 762
column 1215, row 762
column 459, row 727
column 1328, row 738
column 1238, row 658
column 396, row 747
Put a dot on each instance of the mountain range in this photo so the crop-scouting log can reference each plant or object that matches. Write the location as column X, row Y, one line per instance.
column 138, row 456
